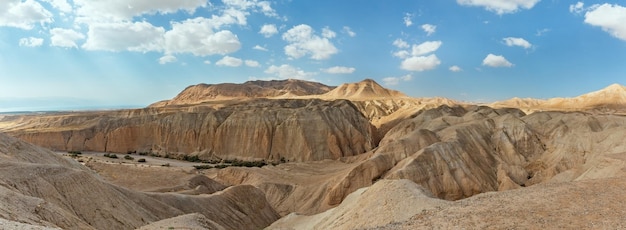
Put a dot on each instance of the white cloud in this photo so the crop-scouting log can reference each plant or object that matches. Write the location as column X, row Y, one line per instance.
column 577, row 8
column 400, row 43
column 349, row 31
column 286, row 71
column 65, row 37
column 339, row 70
column 207, row 62
column 23, row 14
column 258, row 47
column 327, row 33
column 229, row 61
column 611, row 18
column 420, row 63
column 263, row 6
column 303, row 41
column 496, row 61
column 425, row 48
column 31, row 42
column 252, row 63
column 120, row 36
column 60, row 5
column 407, row 19
column 541, row 32
column 88, row 11
column 268, row 30
column 511, row 41
column 429, row 29
column 195, row 36
column 167, row 59
column 500, row 6
column 402, row 54
column 455, row 68
column 396, row 80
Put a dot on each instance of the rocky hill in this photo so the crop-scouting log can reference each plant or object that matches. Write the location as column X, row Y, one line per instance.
column 611, row 99
column 38, row 187
column 197, row 94
column 363, row 90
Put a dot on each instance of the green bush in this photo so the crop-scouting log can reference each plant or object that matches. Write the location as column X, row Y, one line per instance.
column 110, row 155
column 141, row 160
column 128, row 157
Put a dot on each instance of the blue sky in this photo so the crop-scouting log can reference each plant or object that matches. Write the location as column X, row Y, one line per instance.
column 76, row 53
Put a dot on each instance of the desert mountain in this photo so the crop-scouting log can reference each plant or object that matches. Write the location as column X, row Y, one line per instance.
column 364, row 90
column 196, row 94
column 38, row 187
column 611, row 99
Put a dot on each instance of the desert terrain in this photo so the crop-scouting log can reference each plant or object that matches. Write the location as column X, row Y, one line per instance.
column 294, row 154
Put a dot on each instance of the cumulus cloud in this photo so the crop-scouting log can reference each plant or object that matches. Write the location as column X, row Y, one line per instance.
column 167, row 59
column 349, row 31
column 396, row 80
column 610, row 17
column 31, row 42
column 207, row 62
column 258, row 47
column 268, row 30
column 577, row 8
column 339, row 70
column 429, row 29
column 23, row 14
column 493, row 60
column 229, row 61
column 120, row 36
column 425, row 48
column 65, row 37
column 122, row 10
column 252, row 63
column 511, row 41
column 303, row 41
column 408, row 19
column 420, row 63
column 328, row 33
column 195, row 36
column 500, row 6
column 286, row 71
column 262, row 6
column 400, row 43
column 455, row 68
column 416, row 59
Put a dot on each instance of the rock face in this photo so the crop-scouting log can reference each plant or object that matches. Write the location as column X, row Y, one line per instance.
column 296, row 130
column 196, row 94
column 38, row 187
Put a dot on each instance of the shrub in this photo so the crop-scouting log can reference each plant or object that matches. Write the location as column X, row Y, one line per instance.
column 110, row 155
column 166, row 165
column 128, row 157
column 141, row 160
column 202, row 166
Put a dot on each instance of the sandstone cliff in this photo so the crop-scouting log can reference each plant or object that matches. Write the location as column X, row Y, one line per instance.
column 296, row 130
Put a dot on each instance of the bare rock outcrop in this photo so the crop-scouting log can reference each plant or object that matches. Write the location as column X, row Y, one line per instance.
column 295, row 130
column 38, row 187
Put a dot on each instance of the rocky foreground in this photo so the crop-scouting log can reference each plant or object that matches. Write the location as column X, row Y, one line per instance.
column 353, row 156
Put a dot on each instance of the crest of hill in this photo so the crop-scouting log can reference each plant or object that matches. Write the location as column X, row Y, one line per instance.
column 366, row 89
column 611, row 98
column 251, row 89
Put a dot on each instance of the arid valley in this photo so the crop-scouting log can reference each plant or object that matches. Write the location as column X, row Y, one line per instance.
column 294, row 154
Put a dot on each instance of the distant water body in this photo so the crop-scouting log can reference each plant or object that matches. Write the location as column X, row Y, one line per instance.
column 36, row 109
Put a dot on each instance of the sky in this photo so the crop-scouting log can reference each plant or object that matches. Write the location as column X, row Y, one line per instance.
column 64, row 54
